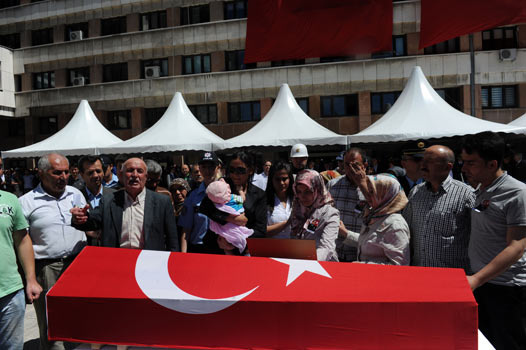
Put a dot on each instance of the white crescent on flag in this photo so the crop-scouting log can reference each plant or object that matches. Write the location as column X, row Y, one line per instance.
column 151, row 273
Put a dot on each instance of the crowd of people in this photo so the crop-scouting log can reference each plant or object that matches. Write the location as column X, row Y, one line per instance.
column 431, row 208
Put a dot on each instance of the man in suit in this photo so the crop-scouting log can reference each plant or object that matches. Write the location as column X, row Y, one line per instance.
column 133, row 217
column 91, row 174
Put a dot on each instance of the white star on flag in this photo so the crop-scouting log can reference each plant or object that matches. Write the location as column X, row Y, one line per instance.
column 298, row 267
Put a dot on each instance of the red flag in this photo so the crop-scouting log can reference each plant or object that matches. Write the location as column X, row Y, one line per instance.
column 295, row 29
column 446, row 19
column 148, row 298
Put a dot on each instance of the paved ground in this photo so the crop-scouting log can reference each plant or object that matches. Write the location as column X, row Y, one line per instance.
column 30, row 329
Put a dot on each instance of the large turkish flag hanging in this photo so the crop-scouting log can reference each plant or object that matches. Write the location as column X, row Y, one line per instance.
column 148, row 298
column 446, row 19
column 296, row 29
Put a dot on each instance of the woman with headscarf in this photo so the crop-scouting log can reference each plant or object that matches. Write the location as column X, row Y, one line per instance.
column 384, row 236
column 313, row 216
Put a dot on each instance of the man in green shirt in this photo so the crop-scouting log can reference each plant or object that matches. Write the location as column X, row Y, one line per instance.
column 13, row 235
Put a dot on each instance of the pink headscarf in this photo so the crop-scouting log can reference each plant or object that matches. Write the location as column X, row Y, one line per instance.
column 314, row 182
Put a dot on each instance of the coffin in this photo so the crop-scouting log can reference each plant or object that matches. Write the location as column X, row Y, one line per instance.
column 149, row 298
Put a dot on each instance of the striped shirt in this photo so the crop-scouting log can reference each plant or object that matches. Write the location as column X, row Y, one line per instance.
column 345, row 197
column 440, row 224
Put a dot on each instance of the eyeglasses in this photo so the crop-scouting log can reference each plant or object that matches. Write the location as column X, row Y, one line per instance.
column 238, row 170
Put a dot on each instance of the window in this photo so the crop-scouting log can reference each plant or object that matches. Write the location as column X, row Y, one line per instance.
column 196, row 64
column 152, row 116
column 118, row 120
column 75, row 28
column 448, row 46
column 337, row 106
column 206, row 114
column 499, row 38
column 110, row 26
column 11, row 41
column 451, row 96
column 47, row 125
column 162, row 63
column 236, row 9
column 244, row 111
column 114, row 72
column 43, row 80
column 16, row 127
column 499, row 96
column 382, row 101
column 283, row 63
column 234, row 60
column 18, row 82
column 9, row 3
column 195, row 14
column 304, row 104
column 78, row 76
column 42, row 36
column 399, row 48
column 153, row 20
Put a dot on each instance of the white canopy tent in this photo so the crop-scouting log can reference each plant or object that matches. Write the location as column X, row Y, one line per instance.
column 285, row 125
column 177, row 130
column 84, row 134
column 520, row 121
column 420, row 113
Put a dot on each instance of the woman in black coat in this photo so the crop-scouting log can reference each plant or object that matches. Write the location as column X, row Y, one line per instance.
column 239, row 176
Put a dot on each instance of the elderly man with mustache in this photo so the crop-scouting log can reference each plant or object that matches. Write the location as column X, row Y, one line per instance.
column 55, row 242
column 133, row 217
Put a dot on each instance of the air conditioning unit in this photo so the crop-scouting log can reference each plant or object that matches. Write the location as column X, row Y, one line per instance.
column 76, row 35
column 152, row 72
column 79, row 81
column 508, row 54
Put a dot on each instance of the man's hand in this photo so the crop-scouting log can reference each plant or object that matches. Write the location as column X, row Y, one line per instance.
column 79, row 215
column 33, row 290
column 473, row 282
column 93, row 234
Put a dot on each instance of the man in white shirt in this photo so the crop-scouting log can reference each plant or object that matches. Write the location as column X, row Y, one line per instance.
column 55, row 242
column 260, row 180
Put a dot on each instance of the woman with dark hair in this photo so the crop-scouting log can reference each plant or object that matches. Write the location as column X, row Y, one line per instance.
column 239, row 175
column 279, row 200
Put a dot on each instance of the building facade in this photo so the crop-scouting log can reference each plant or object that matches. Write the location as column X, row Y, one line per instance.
column 129, row 57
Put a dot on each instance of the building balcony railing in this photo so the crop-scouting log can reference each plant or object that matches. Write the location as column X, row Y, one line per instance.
column 443, row 71
column 183, row 40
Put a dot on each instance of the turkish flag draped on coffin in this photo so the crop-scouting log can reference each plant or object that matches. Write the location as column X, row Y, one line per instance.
column 148, row 298
column 296, row 29
column 446, row 19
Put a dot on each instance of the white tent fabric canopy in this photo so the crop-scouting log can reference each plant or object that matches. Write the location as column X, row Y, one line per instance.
column 520, row 121
column 83, row 135
column 177, row 130
column 420, row 113
column 285, row 125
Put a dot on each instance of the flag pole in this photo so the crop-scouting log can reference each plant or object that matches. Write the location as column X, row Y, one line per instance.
column 472, row 75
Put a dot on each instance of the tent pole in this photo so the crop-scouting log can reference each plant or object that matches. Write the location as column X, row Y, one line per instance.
column 472, row 75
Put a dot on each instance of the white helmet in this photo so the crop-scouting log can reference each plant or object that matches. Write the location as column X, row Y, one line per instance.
column 299, row 150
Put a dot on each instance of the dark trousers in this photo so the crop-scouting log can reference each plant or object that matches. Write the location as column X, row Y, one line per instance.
column 502, row 315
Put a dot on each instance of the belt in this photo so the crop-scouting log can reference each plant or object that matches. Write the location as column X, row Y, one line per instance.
column 66, row 259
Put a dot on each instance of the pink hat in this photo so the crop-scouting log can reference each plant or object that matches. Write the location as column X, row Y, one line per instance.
column 219, row 192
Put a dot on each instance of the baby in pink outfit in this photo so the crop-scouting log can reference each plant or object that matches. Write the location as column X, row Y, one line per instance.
column 219, row 193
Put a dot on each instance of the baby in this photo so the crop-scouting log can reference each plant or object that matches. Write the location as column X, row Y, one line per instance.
column 219, row 193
